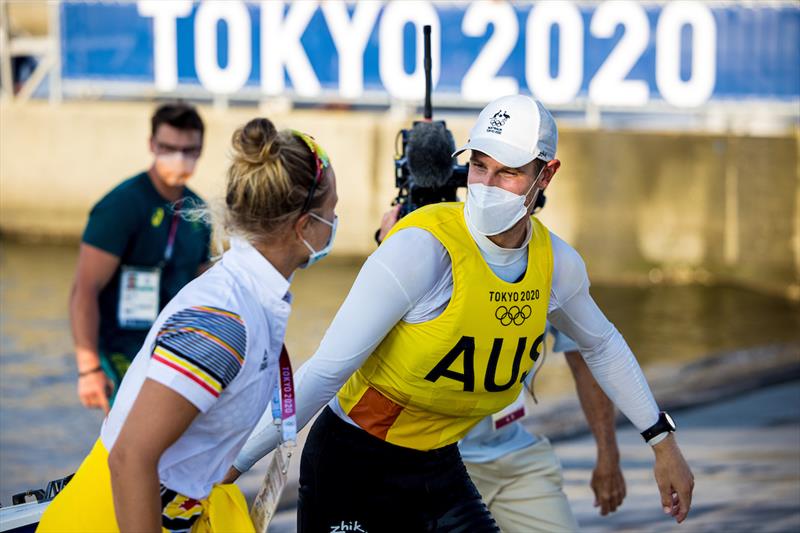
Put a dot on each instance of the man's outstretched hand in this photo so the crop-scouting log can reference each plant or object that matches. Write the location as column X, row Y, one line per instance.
column 674, row 478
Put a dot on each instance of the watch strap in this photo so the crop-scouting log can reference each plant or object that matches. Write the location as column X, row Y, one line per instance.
column 663, row 425
column 658, row 438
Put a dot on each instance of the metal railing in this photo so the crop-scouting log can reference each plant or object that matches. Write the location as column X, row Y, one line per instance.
column 46, row 49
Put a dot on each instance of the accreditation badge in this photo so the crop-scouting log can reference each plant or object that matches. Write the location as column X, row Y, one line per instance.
column 269, row 495
column 511, row 413
column 138, row 297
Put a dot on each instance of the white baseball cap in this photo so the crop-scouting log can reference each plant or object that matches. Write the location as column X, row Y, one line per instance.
column 514, row 130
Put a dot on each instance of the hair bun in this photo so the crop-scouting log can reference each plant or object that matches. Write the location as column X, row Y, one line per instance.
column 255, row 142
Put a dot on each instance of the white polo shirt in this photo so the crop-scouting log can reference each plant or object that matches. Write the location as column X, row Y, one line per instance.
column 217, row 344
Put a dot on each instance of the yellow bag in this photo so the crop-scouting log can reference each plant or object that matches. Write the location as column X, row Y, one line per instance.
column 225, row 510
column 86, row 505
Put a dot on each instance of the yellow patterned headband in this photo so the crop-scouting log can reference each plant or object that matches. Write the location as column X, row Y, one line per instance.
column 320, row 158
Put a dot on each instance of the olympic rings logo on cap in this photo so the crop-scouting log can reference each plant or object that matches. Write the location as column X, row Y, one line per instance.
column 513, row 315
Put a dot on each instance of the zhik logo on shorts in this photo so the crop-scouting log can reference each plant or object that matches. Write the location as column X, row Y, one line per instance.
column 347, row 526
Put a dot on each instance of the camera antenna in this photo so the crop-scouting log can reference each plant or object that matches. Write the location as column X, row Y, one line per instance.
column 426, row 32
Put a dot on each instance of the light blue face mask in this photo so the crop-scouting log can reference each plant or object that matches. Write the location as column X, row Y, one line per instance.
column 318, row 255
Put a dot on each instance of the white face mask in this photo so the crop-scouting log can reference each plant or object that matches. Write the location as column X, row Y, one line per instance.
column 492, row 210
column 317, row 255
column 174, row 168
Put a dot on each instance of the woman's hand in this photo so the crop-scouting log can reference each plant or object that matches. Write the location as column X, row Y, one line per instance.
column 231, row 475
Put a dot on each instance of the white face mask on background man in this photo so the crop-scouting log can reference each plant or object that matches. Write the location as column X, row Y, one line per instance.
column 493, row 210
column 175, row 168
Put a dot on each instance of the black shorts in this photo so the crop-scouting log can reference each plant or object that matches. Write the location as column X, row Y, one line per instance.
column 351, row 481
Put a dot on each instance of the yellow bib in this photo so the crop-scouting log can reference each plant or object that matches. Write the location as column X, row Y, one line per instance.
column 426, row 385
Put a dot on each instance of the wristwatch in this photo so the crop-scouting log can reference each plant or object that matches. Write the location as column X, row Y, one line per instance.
column 663, row 426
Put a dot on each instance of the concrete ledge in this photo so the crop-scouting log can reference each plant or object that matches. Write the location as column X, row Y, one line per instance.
column 643, row 206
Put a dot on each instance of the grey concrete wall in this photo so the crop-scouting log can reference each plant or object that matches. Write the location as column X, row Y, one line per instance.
column 639, row 206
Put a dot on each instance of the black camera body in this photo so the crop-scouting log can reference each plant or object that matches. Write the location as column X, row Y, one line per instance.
column 413, row 191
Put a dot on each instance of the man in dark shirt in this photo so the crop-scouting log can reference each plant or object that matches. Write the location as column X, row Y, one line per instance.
column 136, row 254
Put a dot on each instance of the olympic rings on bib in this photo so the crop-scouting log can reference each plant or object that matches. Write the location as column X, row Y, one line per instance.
column 513, row 315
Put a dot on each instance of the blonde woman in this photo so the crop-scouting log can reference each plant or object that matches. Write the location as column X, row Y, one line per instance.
column 209, row 364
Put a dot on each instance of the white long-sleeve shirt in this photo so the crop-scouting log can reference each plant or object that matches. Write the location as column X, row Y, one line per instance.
column 409, row 278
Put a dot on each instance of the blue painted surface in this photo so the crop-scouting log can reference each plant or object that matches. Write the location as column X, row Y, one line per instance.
column 757, row 49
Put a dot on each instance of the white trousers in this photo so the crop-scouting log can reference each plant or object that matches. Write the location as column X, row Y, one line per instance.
column 523, row 490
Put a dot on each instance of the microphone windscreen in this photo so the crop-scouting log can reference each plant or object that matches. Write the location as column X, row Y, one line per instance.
column 429, row 151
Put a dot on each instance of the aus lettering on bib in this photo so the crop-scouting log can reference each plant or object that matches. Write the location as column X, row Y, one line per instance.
column 464, row 350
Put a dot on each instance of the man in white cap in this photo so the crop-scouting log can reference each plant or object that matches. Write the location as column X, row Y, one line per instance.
column 441, row 328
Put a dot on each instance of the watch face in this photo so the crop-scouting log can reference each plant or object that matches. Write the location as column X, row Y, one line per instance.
column 669, row 420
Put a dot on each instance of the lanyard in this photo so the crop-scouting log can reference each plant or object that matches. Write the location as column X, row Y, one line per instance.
column 283, row 404
column 173, row 231
column 283, row 415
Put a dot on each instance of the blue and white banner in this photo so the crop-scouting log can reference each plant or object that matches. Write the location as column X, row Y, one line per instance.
column 612, row 53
